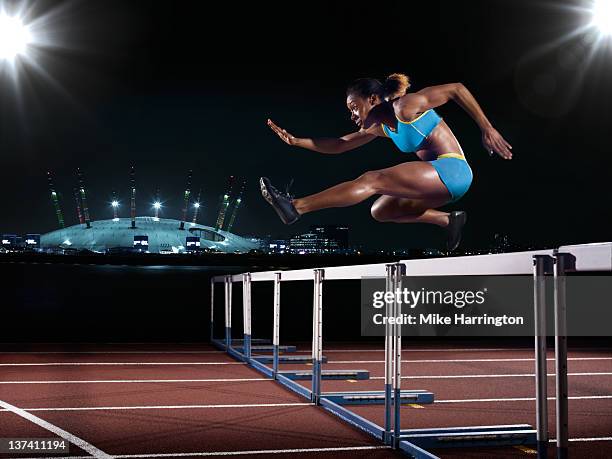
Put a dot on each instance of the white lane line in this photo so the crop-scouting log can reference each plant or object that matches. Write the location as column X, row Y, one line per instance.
column 522, row 399
column 166, row 407
column 329, row 362
column 264, row 451
column 104, row 381
column 510, row 375
column 95, row 452
column 228, row 453
column 463, row 360
column 66, row 364
column 586, row 439
column 300, row 351
column 492, row 349
column 144, row 381
column 283, row 405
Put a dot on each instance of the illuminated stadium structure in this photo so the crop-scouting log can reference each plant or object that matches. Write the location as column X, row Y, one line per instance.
column 155, row 235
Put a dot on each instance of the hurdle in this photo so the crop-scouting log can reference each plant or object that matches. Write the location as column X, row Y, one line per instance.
column 539, row 264
column 535, row 263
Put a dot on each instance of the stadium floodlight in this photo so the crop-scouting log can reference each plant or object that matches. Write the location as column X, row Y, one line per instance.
column 15, row 37
column 157, row 205
column 602, row 16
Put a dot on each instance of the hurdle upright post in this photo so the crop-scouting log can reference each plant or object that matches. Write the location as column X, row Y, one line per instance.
column 276, row 329
column 560, row 265
column 246, row 314
column 400, row 270
column 318, row 332
column 388, row 356
column 212, row 309
column 228, row 312
column 541, row 266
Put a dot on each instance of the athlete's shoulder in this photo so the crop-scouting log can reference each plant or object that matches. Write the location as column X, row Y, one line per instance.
column 408, row 106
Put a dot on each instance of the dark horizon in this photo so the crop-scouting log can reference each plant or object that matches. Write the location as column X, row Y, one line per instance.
column 173, row 87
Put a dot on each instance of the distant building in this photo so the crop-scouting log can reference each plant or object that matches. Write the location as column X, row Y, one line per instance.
column 335, row 234
column 321, row 239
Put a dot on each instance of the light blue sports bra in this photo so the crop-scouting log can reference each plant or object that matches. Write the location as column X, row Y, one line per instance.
column 411, row 134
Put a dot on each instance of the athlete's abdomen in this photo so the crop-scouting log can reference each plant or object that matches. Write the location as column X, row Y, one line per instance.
column 440, row 141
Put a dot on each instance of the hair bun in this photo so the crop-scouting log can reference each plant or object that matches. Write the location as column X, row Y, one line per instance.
column 396, row 85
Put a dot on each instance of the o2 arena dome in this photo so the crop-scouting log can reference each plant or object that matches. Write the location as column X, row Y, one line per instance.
column 155, row 235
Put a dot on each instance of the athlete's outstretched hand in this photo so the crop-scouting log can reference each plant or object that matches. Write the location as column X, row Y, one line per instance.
column 284, row 135
column 494, row 142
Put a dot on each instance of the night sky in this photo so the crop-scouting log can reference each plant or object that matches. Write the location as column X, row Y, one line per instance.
column 173, row 86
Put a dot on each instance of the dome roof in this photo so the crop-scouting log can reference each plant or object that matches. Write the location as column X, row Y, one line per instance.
column 163, row 235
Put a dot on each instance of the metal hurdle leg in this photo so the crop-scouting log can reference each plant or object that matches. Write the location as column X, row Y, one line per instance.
column 276, row 329
column 212, row 309
column 317, row 338
column 541, row 266
column 228, row 312
column 399, row 270
column 388, row 358
column 561, row 261
column 246, row 314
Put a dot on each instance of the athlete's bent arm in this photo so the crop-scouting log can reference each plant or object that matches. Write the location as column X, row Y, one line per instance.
column 434, row 96
column 327, row 145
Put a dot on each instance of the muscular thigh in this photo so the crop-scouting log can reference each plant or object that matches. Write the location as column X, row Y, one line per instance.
column 393, row 207
column 417, row 180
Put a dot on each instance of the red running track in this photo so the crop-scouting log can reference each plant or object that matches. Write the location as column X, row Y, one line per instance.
column 169, row 400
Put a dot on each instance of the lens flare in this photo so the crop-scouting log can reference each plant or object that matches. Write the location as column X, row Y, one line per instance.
column 602, row 16
column 15, row 37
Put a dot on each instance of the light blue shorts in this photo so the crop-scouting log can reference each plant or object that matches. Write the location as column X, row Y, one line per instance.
column 456, row 175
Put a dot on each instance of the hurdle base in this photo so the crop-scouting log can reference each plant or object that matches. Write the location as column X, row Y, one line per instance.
column 414, row 451
column 240, row 341
column 219, row 344
column 268, row 348
column 478, row 436
column 354, row 419
column 295, row 387
column 327, row 374
column 286, row 359
column 407, row 397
